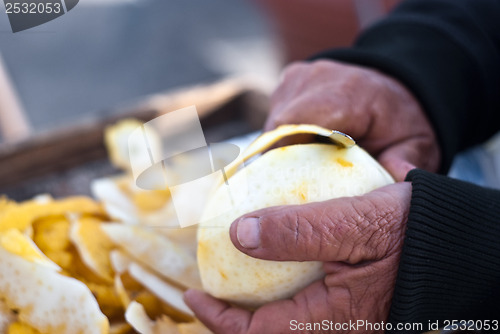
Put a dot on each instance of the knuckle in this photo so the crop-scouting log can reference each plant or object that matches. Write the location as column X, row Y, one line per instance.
column 294, row 69
column 306, row 232
column 301, row 229
column 383, row 221
column 322, row 65
column 362, row 224
column 229, row 325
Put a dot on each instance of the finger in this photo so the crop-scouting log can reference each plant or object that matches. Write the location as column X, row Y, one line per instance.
column 332, row 111
column 405, row 156
column 273, row 318
column 217, row 315
column 398, row 167
column 292, row 82
column 286, row 113
column 349, row 229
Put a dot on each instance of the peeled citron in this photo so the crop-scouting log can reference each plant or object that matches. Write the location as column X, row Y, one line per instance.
column 288, row 175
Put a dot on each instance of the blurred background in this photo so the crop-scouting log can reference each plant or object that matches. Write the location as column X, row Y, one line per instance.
column 63, row 82
column 104, row 57
column 107, row 53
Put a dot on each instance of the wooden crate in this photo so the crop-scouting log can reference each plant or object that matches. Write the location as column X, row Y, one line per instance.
column 65, row 161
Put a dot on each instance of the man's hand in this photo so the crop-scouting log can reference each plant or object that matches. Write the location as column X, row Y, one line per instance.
column 359, row 239
column 376, row 110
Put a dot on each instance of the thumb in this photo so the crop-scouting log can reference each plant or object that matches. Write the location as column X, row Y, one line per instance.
column 348, row 229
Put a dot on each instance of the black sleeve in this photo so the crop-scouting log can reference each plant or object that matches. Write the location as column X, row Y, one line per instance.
column 447, row 52
column 450, row 264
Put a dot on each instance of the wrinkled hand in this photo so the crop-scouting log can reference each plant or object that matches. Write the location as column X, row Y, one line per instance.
column 376, row 110
column 359, row 239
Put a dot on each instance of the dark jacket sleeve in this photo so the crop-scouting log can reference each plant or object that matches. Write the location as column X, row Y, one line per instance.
column 450, row 264
column 447, row 52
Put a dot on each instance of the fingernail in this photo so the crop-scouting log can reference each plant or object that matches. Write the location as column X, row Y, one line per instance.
column 248, row 232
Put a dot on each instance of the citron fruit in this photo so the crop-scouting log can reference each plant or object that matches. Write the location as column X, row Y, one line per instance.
column 287, row 175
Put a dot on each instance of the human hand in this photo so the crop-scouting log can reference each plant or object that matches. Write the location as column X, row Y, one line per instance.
column 376, row 110
column 359, row 239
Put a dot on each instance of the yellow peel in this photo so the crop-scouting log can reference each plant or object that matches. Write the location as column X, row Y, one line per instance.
column 21, row 328
column 120, row 261
column 7, row 316
column 51, row 234
column 93, row 246
column 121, row 291
column 108, row 299
column 156, row 252
column 165, row 292
column 116, row 141
column 21, row 216
column 115, row 201
column 18, row 244
column 165, row 325
column 151, row 200
column 116, row 138
column 47, row 300
column 120, row 328
column 6, row 204
column 136, row 316
column 267, row 139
